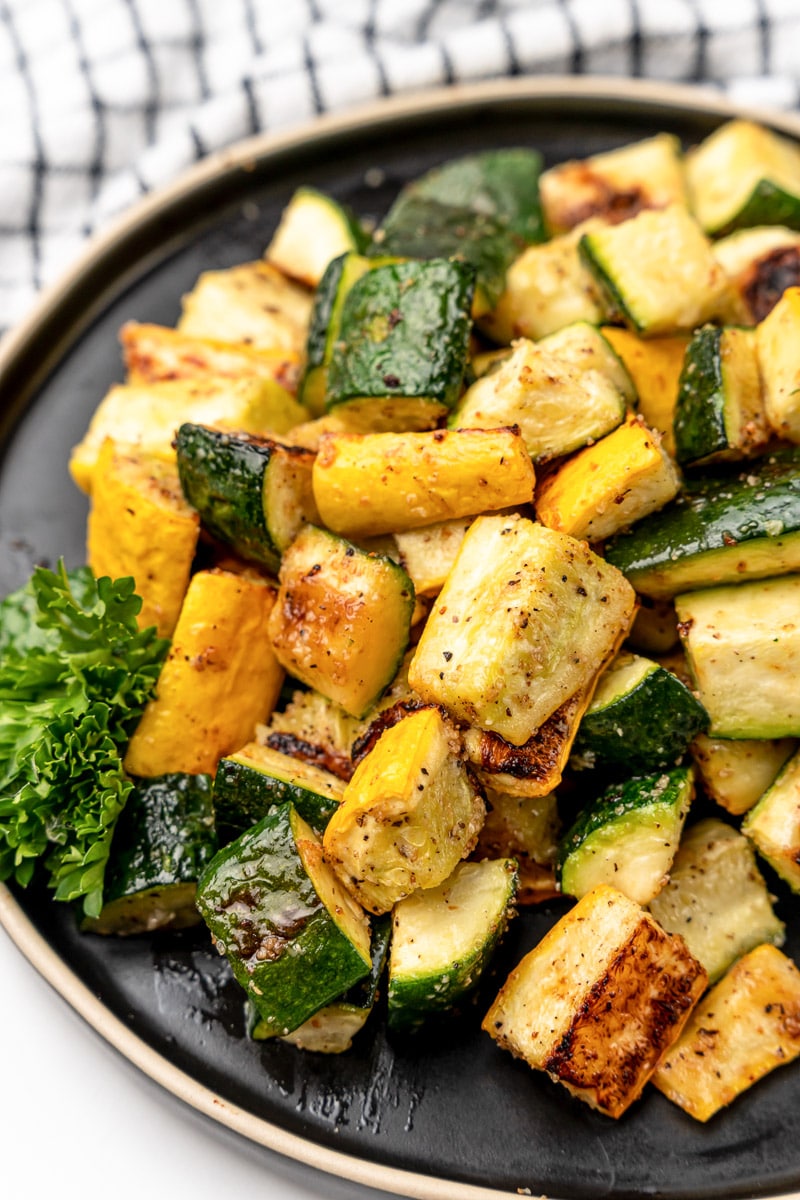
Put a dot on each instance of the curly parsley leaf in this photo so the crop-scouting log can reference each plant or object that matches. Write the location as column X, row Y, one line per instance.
column 75, row 674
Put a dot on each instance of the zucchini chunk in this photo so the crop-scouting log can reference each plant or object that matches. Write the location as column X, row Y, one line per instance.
column 641, row 716
column 253, row 303
column 761, row 264
column 657, row 272
column 313, row 230
column 255, row 778
column 716, row 898
column 615, row 185
column 619, row 479
column 598, row 1001
column 726, row 527
column 331, row 1030
column 547, row 287
column 374, row 483
column 745, row 1027
column 408, row 815
column 323, row 329
column 743, row 174
column 342, row 619
column 252, row 493
column 162, row 843
column 147, row 418
column 628, row 836
column 294, row 937
column 526, row 829
column 443, row 938
column 557, row 406
column 315, row 730
column 403, row 333
column 735, row 774
column 218, row 681
column 743, row 647
column 525, row 620
column 719, row 414
column 779, row 360
column 774, row 824
column 586, row 347
column 654, row 364
column 156, row 354
column 140, row 525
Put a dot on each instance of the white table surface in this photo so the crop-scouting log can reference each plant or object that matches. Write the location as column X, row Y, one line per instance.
column 88, row 1123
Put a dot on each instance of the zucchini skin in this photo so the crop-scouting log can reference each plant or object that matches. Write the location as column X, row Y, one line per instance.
column 767, row 204
column 243, row 794
column 648, row 729
column 163, row 841
column 699, row 423
column 707, row 535
column 404, row 331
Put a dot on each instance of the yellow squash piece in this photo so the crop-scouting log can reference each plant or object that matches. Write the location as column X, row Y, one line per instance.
column 655, row 366
column 601, row 489
column 746, row 1026
column 599, row 1000
column 377, row 483
column 140, row 525
column 148, row 416
column 220, row 679
column 408, row 816
column 156, row 354
column 252, row 303
column 778, row 338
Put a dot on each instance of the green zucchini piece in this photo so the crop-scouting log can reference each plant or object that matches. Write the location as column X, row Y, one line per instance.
column 342, row 619
column 443, row 938
column 404, row 332
column 716, row 898
column 332, row 1029
column 584, row 347
column 743, row 647
column 294, row 937
column 657, row 271
column 774, row 824
column 163, row 841
column 641, row 716
column 503, row 184
column 323, row 331
column 251, row 781
column 725, row 527
column 719, row 414
column 743, row 174
column 735, row 774
column 253, row 493
column 313, row 230
column 627, row 837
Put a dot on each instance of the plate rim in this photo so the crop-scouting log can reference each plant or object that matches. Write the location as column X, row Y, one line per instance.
column 242, row 155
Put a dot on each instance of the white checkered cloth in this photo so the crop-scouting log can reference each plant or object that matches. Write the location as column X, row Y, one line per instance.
column 102, row 100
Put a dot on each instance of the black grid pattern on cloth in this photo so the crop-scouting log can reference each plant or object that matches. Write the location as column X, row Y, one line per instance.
column 102, row 100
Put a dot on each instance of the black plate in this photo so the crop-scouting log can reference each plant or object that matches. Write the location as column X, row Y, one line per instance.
column 449, row 1104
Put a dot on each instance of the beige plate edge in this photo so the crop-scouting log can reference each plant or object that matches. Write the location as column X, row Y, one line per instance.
column 21, row 931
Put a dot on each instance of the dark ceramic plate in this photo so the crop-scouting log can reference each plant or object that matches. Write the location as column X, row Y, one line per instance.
column 449, row 1112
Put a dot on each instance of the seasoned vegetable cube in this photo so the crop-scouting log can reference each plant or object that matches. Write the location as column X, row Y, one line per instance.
column 736, row 774
column 219, row 679
column 743, row 646
column 443, row 938
column 526, row 618
column 313, row 230
column 408, row 815
column 628, row 836
column 557, row 406
column 252, row 302
column 761, row 264
column 655, row 365
column 599, row 1000
column 428, row 553
column 716, row 898
column 140, row 525
column 657, row 271
column 774, row 824
column 621, row 478
column 744, row 174
column 778, row 339
column 368, row 484
column 587, row 348
column 615, row 185
column 746, row 1026
column 294, row 937
column 342, row 619
column 404, row 332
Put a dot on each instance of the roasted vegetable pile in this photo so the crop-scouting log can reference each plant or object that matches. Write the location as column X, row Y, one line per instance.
column 475, row 536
